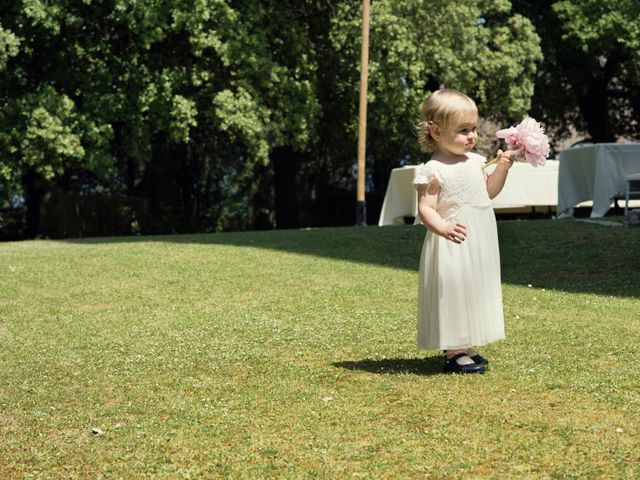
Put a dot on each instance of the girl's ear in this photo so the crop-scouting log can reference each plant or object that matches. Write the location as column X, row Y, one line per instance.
column 434, row 130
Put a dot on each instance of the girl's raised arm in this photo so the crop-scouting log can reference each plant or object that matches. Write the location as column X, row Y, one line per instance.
column 495, row 181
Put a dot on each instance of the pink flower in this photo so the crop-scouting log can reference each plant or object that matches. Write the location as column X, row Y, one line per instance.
column 528, row 139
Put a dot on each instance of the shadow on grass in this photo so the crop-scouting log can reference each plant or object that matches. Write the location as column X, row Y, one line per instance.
column 562, row 255
column 396, row 366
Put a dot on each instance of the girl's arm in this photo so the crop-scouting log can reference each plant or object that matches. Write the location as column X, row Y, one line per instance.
column 427, row 203
column 496, row 180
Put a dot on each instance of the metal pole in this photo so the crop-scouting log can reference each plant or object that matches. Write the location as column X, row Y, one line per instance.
column 361, row 209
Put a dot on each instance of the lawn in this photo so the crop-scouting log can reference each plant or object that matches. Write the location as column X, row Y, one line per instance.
column 292, row 354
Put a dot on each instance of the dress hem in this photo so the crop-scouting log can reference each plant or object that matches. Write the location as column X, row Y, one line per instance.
column 451, row 347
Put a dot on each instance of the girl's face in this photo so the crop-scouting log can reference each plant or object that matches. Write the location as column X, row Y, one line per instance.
column 457, row 138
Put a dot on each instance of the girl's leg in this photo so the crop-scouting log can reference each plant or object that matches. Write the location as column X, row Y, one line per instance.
column 466, row 360
column 476, row 357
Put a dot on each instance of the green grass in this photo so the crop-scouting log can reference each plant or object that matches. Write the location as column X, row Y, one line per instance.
column 292, row 354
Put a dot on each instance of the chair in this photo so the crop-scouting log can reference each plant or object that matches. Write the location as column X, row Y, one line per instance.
column 582, row 143
column 632, row 188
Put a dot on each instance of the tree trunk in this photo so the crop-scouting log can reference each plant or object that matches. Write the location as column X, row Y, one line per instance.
column 262, row 204
column 595, row 105
column 33, row 187
column 285, row 169
column 131, row 175
column 125, row 163
column 189, row 174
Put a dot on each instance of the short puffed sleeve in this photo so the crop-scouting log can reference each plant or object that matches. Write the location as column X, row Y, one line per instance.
column 426, row 173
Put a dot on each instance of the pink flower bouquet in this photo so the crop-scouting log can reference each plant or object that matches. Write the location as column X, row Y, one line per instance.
column 526, row 139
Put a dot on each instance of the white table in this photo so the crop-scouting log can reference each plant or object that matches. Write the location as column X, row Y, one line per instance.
column 525, row 186
column 595, row 172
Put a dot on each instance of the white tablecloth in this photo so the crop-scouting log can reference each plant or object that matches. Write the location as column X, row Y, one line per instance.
column 595, row 172
column 525, row 186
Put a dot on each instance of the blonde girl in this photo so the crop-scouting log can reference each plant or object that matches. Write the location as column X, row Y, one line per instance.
column 460, row 294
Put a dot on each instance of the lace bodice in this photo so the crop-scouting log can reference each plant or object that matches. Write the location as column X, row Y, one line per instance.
column 461, row 184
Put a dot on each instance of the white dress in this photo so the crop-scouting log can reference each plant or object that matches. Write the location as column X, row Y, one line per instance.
column 460, row 295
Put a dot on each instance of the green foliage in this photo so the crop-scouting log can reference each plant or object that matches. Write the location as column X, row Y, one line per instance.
column 512, row 55
column 590, row 77
column 47, row 137
column 593, row 25
column 238, row 112
column 203, row 91
column 9, row 46
column 105, row 86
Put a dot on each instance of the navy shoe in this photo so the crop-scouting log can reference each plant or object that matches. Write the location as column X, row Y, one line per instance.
column 451, row 365
column 479, row 359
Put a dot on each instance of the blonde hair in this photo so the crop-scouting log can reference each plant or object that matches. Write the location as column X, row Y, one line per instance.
column 442, row 107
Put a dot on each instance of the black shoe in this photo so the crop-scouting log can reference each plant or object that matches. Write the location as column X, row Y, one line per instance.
column 451, row 365
column 479, row 359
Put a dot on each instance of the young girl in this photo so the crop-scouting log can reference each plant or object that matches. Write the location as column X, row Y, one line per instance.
column 460, row 296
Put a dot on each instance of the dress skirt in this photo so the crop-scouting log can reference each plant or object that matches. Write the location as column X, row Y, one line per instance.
column 460, row 294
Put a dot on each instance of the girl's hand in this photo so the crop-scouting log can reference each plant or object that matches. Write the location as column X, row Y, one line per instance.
column 505, row 159
column 455, row 232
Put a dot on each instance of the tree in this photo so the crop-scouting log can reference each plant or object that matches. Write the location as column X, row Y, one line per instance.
column 43, row 133
column 180, row 102
column 590, row 77
column 217, row 112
